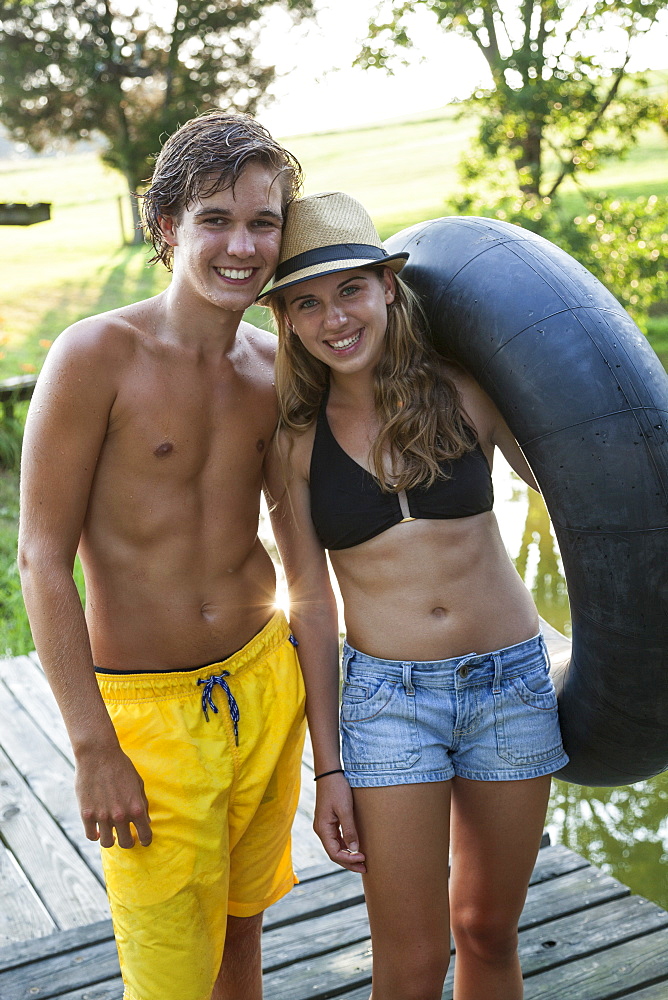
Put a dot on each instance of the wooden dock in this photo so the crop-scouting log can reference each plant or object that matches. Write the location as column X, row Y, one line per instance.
column 583, row 936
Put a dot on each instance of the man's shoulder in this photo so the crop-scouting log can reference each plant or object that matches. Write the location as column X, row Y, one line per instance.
column 259, row 341
column 104, row 335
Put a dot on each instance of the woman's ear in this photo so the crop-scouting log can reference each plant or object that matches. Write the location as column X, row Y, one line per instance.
column 389, row 285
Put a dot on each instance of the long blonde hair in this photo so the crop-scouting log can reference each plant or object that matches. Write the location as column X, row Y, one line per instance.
column 417, row 402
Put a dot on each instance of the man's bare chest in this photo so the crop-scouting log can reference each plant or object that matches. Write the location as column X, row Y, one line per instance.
column 194, row 431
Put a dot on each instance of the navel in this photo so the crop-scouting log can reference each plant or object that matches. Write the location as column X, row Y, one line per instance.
column 260, row 444
column 166, row 448
column 439, row 612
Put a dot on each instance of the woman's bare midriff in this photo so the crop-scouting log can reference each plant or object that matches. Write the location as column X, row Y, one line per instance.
column 434, row 589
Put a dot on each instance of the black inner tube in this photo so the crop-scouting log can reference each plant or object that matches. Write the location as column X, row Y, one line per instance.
column 587, row 399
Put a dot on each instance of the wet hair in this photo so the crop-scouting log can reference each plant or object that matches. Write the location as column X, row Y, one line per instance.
column 208, row 154
column 419, row 405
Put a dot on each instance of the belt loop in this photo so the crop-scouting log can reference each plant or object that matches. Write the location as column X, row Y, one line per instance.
column 407, row 679
column 498, row 671
column 546, row 653
column 346, row 657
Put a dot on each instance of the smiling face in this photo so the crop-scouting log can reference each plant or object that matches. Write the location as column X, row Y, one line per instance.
column 226, row 244
column 341, row 318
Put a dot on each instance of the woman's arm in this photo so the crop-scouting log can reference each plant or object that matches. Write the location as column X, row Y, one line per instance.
column 493, row 431
column 314, row 622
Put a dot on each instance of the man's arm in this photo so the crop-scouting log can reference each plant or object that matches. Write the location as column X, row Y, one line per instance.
column 65, row 431
column 314, row 621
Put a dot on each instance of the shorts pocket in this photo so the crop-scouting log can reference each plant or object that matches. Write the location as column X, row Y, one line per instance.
column 527, row 719
column 378, row 726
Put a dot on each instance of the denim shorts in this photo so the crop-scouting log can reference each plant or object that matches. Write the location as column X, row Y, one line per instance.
column 489, row 717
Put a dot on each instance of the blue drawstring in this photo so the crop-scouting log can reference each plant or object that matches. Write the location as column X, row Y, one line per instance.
column 207, row 700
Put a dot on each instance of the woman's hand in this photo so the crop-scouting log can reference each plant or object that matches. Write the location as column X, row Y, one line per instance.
column 335, row 822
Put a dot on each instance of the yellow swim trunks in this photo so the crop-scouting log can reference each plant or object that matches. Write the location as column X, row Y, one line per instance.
column 219, row 750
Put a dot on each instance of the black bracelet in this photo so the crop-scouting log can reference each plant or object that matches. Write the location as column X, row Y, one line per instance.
column 337, row 770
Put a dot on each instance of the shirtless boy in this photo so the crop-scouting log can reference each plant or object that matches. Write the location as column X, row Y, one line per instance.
column 144, row 451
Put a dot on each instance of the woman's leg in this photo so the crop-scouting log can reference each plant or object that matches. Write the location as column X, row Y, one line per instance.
column 404, row 835
column 496, row 832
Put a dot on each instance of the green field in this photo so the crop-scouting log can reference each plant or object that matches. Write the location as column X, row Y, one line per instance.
column 76, row 264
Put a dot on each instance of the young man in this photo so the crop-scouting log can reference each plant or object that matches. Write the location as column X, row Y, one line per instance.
column 179, row 686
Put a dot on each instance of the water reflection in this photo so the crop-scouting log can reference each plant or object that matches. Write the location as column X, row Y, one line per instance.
column 548, row 585
column 623, row 831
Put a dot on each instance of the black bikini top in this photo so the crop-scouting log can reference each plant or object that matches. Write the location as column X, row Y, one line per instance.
column 348, row 506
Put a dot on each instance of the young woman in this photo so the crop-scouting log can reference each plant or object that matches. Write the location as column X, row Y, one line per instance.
column 448, row 715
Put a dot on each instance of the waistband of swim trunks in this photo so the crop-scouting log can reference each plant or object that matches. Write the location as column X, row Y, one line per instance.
column 513, row 659
column 126, row 686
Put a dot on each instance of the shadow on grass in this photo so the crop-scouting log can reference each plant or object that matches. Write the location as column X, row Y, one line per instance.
column 118, row 283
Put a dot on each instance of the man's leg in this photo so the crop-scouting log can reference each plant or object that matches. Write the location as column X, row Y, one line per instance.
column 240, row 976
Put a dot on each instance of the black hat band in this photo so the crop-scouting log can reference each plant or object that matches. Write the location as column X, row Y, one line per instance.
column 326, row 255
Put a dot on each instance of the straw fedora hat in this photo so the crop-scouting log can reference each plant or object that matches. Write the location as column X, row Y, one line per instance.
column 325, row 233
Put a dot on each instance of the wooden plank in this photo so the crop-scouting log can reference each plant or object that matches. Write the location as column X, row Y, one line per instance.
column 592, row 931
column 320, row 934
column 612, row 974
column 307, row 795
column 321, row 870
column 283, row 946
column 338, row 972
column 329, row 932
column 307, row 850
column 571, row 893
column 577, row 935
column 22, row 214
column 543, row 946
column 343, row 888
column 30, row 687
column 349, row 968
column 68, row 889
column 659, row 991
column 26, row 952
column 73, row 959
column 112, row 990
column 48, row 773
column 61, row 974
column 606, row 975
column 22, row 914
column 311, row 899
column 308, row 752
column 554, row 861
column 17, row 387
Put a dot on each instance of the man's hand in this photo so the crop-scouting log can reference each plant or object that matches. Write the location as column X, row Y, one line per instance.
column 335, row 823
column 111, row 797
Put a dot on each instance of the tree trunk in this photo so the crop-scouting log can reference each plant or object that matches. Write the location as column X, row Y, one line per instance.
column 529, row 165
column 137, row 234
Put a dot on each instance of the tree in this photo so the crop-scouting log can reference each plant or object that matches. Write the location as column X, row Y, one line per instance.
column 558, row 103
column 74, row 68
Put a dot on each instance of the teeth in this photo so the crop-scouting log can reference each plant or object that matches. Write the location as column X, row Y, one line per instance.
column 231, row 272
column 341, row 345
